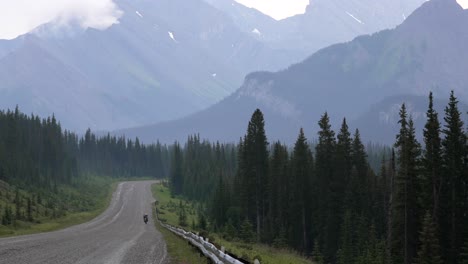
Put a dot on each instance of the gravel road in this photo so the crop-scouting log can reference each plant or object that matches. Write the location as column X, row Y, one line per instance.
column 119, row 235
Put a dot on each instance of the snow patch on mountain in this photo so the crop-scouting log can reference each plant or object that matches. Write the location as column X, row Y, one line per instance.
column 139, row 14
column 171, row 35
column 355, row 18
column 256, row 31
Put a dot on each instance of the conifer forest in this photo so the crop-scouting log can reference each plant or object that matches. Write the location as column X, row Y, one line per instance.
column 324, row 200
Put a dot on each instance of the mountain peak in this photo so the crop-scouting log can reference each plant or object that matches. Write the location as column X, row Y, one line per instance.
column 437, row 15
column 437, row 8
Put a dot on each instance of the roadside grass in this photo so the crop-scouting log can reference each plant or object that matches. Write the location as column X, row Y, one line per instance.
column 95, row 193
column 178, row 249
column 266, row 254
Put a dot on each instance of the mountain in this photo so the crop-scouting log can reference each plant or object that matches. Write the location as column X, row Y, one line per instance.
column 247, row 19
column 325, row 22
column 426, row 52
column 165, row 59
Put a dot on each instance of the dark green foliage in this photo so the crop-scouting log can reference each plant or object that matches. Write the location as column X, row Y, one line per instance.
column 7, row 218
column 246, row 232
column 32, row 151
column 46, row 172
column 118, row 157
column 29, row 211
column 317, row 255
column 279, row 195
column 346, row 252
column 292, row 198
column 299, row 208
column 176, row 172
column 254, row 178
column 202, row 224
column 405, row 217
column 220, row 204
column 182, row 215
column 429, row 249
column 432, row 161
column 325, row 155
column 453, row 199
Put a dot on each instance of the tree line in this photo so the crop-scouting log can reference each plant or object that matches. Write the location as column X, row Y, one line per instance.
column 37, row 157
column 327, row 202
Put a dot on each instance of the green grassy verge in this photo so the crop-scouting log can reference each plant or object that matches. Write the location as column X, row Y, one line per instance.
column 178, row 249
column 76, row 204
column 267, row 255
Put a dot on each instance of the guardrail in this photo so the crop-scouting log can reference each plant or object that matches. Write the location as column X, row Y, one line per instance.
column 217, row 256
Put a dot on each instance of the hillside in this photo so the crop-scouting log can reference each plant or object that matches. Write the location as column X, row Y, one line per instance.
column 427, row 52
column 162, row 61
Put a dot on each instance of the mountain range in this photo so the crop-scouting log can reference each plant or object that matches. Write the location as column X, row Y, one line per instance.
column 168, row 58
column 365, row 80
column 325, row 22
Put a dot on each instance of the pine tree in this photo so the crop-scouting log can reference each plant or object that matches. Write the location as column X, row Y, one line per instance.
column 254, row 178
column 202, row 224
column 246, row 232
column 182, row 215
column 359, row 185
column 432, row 161
column 404, row 212
column 176, row 175
column 317, row 255
column 453, row 202
column 429, row 250
column 325, row 155
column 337, row 187
column 220, row 204
column 346, row 253
column 300, row 191
column 279, row 191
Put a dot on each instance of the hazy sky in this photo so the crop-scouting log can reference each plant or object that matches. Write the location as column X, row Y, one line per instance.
column 18, row 17
column 280, row 9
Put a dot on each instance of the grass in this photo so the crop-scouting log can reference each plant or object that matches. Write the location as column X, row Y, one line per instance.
column 178, row 249
column 84, row 205
column 266, row 254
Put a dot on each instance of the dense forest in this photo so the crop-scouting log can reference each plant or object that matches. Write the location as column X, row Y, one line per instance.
column 332, row 199
column 327, row 201
column 43, row 166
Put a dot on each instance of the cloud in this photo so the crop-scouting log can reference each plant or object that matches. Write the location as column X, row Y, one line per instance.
column 18, row 17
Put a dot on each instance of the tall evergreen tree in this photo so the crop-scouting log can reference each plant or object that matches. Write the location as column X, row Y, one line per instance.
column 176, row 174
column 346, row 252
column 325, row 155
column 432, row 161
column 391, row 194
column 337, row 186
column 279, row 192
column 255, row 171
column 359, row 185
column 299, row 208
column 404, row 222
column 429, row 250
column 454, row 199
